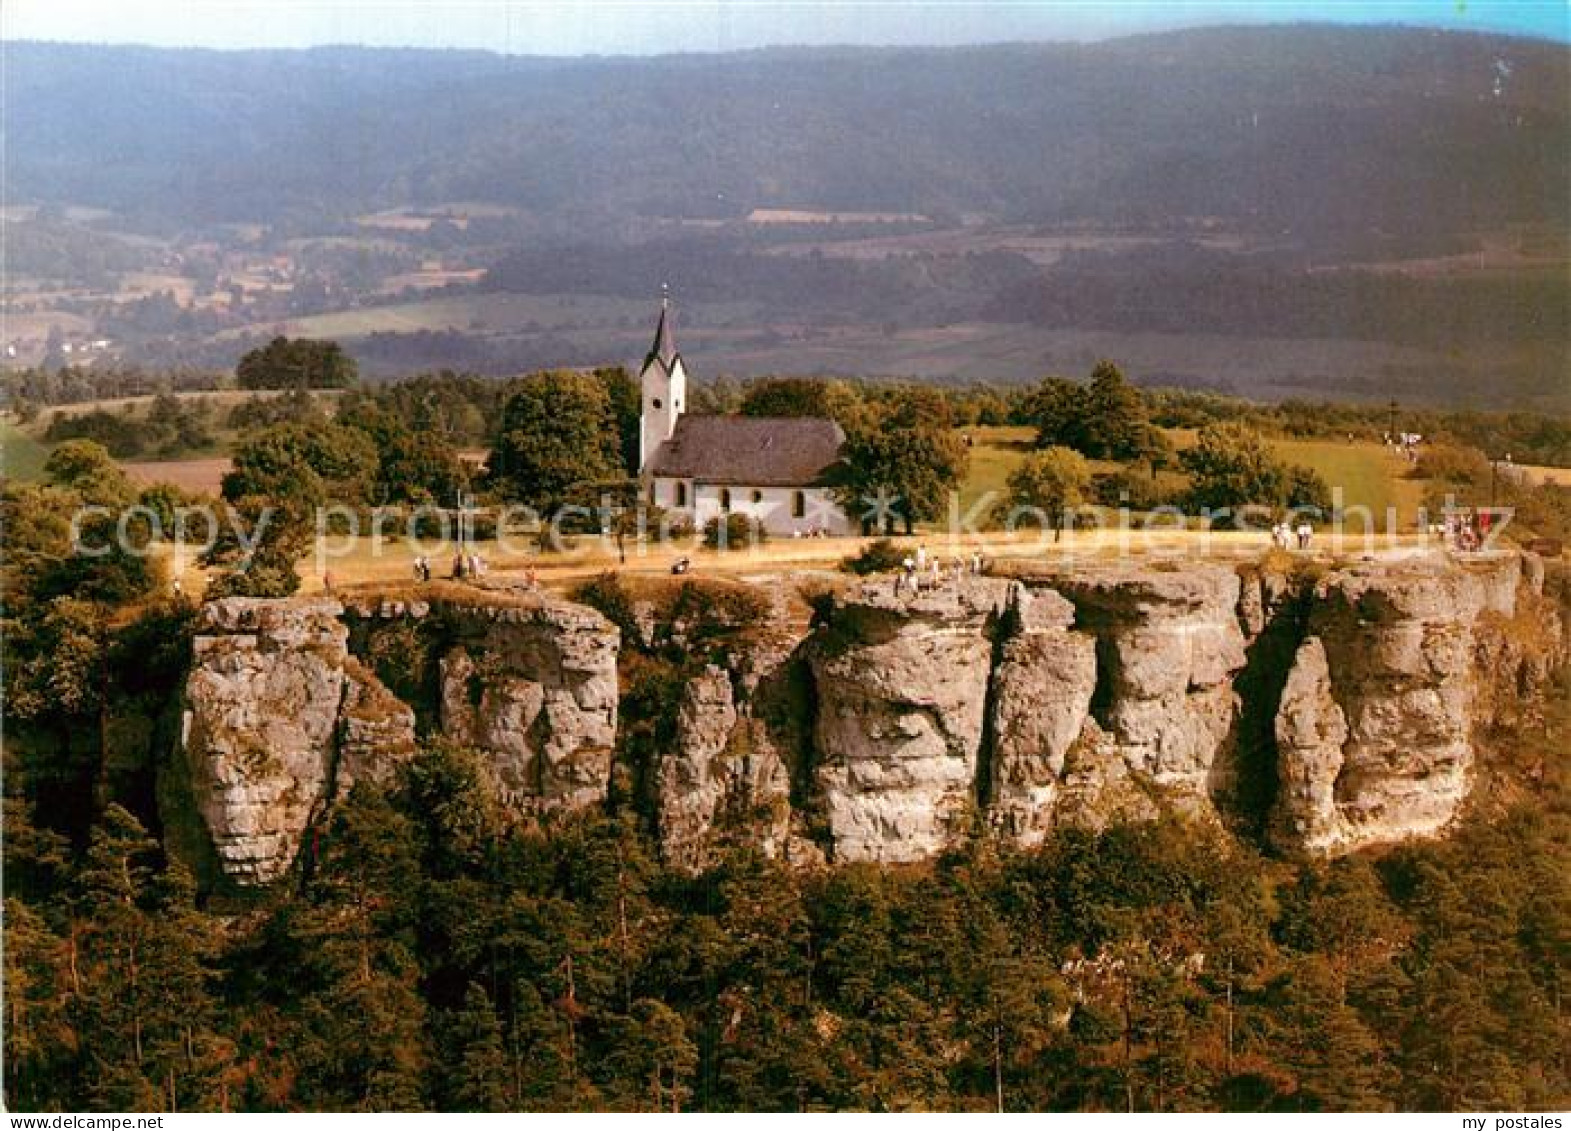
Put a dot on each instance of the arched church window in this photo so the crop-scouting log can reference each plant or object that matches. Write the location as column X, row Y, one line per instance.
column 798, row 504
column 655, row 402
column 758, row 496
column 681, row 494
column 725, row 498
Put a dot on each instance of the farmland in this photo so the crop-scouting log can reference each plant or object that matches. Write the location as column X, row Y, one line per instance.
column 197, row 476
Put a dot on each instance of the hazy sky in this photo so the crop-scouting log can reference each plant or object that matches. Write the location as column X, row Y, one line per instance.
column 574, row 27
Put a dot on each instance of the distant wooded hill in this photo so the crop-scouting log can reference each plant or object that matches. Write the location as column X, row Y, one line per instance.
column 1307, row 133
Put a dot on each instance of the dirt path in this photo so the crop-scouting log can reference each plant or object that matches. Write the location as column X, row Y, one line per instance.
column 359, row 563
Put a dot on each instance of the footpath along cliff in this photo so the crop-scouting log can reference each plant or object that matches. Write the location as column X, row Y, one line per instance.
column 1323, row 713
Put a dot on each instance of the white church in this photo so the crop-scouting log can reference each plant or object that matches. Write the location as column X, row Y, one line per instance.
column 772, row 468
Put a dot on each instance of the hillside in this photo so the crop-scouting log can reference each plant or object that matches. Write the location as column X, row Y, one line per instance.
column 1311, row 131
column 1273, row 211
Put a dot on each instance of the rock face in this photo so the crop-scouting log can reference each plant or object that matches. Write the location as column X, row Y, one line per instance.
column 1042, row 688
column 1113, row 697
column 261, row 717
column 534, row 688
column 723, row 776
column 376, row 729
column 1376, row 725
column 882, row 729
column 1168, row 647
column 902, row 688
column 726, row 777
column 1311, row 730
column 691, row 781
column 280, row 718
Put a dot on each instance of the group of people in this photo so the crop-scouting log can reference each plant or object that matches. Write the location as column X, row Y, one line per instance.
column 465, row 564
column 1284, row 534
column 923, row 568
column 1405, row 443
column 812, row 532
column 1464, row 531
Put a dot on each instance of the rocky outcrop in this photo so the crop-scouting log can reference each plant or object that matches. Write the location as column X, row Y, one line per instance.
column 376, row 730
column 1355, row 701
column 262, row 708
column 280, row 718
column 1376, row 727
column 1168, row 647
column 1311, row 730
column 724, row 776
column 1041, row 702
column 692, row 779
column 740, row 725
column 902, row 687
column 532, row 685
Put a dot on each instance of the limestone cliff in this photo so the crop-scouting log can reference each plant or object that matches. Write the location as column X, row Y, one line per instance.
column 1042, row 687
column 280, row 717
column 902, row 690
column 1164, row 711
column 269, row 693
column 893, row 723
column 533, row 688
column 726, row 775
column 1376, row 727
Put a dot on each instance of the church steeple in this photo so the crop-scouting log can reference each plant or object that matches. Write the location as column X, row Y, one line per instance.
column 662, row 386
column 664, row 349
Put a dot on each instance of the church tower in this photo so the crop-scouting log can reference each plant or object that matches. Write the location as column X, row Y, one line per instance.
column 663, row 384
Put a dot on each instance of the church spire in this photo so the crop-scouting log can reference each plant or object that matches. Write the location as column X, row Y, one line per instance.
column 662, row 384
column 665, row 337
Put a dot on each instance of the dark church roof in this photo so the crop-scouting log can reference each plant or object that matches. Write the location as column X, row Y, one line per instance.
column 763, row 451
column 664, row 349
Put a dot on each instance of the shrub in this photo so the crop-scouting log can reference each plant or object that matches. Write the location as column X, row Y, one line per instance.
column 1304, row 488
column 734, row 532
column 1453, row 463
column 268, row 575
column 1133, row 487
column 122, row 436
column 881, row 556
column 608, row 595
column 715, row 608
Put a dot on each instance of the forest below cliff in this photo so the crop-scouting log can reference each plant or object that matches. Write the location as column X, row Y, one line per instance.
column 433, row 956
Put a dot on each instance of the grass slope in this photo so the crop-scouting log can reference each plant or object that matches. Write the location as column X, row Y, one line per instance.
column 21, row 456
column 1367, row 473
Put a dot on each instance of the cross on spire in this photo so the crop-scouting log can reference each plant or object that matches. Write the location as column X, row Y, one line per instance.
column 664, row 348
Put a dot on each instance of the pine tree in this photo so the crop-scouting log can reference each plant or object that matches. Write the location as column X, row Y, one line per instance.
column 186, row 1051
column 362, row 1024
column 476, row 1059
column 651, row 1060
column 40, row 1044
column 112, row 999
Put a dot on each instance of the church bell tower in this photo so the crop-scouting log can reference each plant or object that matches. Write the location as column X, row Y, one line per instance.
column 662, row 383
